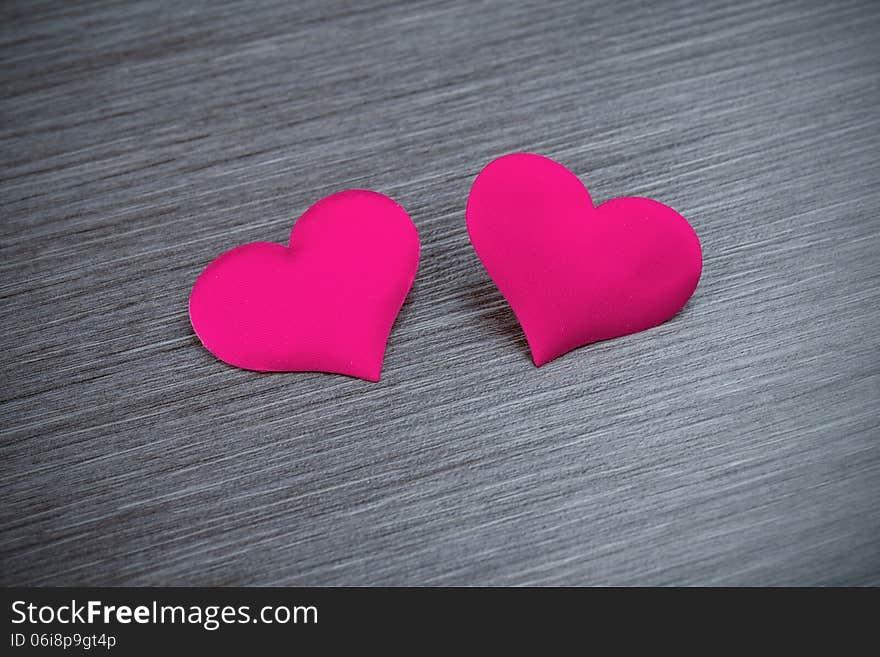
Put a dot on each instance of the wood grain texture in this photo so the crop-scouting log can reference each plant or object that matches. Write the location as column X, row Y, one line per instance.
column 737, row 444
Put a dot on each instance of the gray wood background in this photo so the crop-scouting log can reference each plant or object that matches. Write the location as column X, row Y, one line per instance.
column 736, row 444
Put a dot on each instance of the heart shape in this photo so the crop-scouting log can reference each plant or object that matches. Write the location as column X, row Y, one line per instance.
column 574, row 273
column 326, row 303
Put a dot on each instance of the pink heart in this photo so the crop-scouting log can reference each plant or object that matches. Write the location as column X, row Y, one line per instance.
column 326, row 303
column 574, row 273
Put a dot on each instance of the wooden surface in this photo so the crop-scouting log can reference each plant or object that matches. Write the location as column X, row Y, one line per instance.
column 736, row 444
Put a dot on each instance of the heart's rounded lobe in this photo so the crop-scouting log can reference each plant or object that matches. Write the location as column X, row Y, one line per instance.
column 326, row 303
column 573, row 273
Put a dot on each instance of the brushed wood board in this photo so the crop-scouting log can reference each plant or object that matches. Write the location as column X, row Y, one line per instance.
column 736, row 444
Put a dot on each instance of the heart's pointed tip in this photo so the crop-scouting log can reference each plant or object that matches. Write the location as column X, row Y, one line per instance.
column 371, row 374
column 539, row 358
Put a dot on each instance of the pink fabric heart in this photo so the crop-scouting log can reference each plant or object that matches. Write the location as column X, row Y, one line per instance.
column 326, row 303
column 574, row 273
